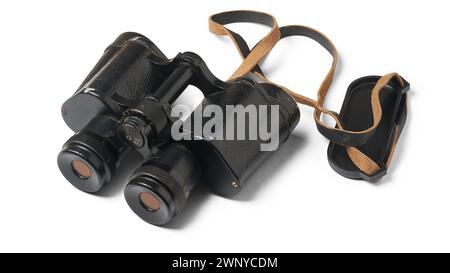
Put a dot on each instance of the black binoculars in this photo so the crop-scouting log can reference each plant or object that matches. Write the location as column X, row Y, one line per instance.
column 126, row 102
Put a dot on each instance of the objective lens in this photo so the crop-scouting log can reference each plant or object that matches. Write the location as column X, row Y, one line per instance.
column 149, row 201
column 81, row 169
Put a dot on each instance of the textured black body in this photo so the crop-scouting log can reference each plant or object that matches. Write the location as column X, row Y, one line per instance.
column 227, row 163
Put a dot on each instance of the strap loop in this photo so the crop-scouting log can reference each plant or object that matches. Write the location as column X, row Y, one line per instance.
column 264, row 46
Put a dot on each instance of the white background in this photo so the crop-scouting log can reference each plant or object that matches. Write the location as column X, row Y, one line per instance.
column 295, row 202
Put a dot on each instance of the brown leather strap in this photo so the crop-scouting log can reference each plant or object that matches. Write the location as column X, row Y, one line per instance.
column 217, row 24
column 251, row 58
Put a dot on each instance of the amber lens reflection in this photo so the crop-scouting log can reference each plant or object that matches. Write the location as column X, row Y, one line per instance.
column 81, row 169
column 149, row 201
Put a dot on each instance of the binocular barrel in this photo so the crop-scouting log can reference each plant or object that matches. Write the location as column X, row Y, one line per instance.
column 125, row 103
column 90, row 157
column 158, row 190
column 122, row 76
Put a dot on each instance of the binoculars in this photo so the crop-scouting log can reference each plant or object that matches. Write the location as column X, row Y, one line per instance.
column 126, row 103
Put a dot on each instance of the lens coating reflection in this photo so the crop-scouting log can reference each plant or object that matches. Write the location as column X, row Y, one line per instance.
column 149, row 201
column 82, row 170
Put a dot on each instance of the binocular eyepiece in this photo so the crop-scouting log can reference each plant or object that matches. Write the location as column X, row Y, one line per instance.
column 90, row 158
column 125, row 104
column 158, row 189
